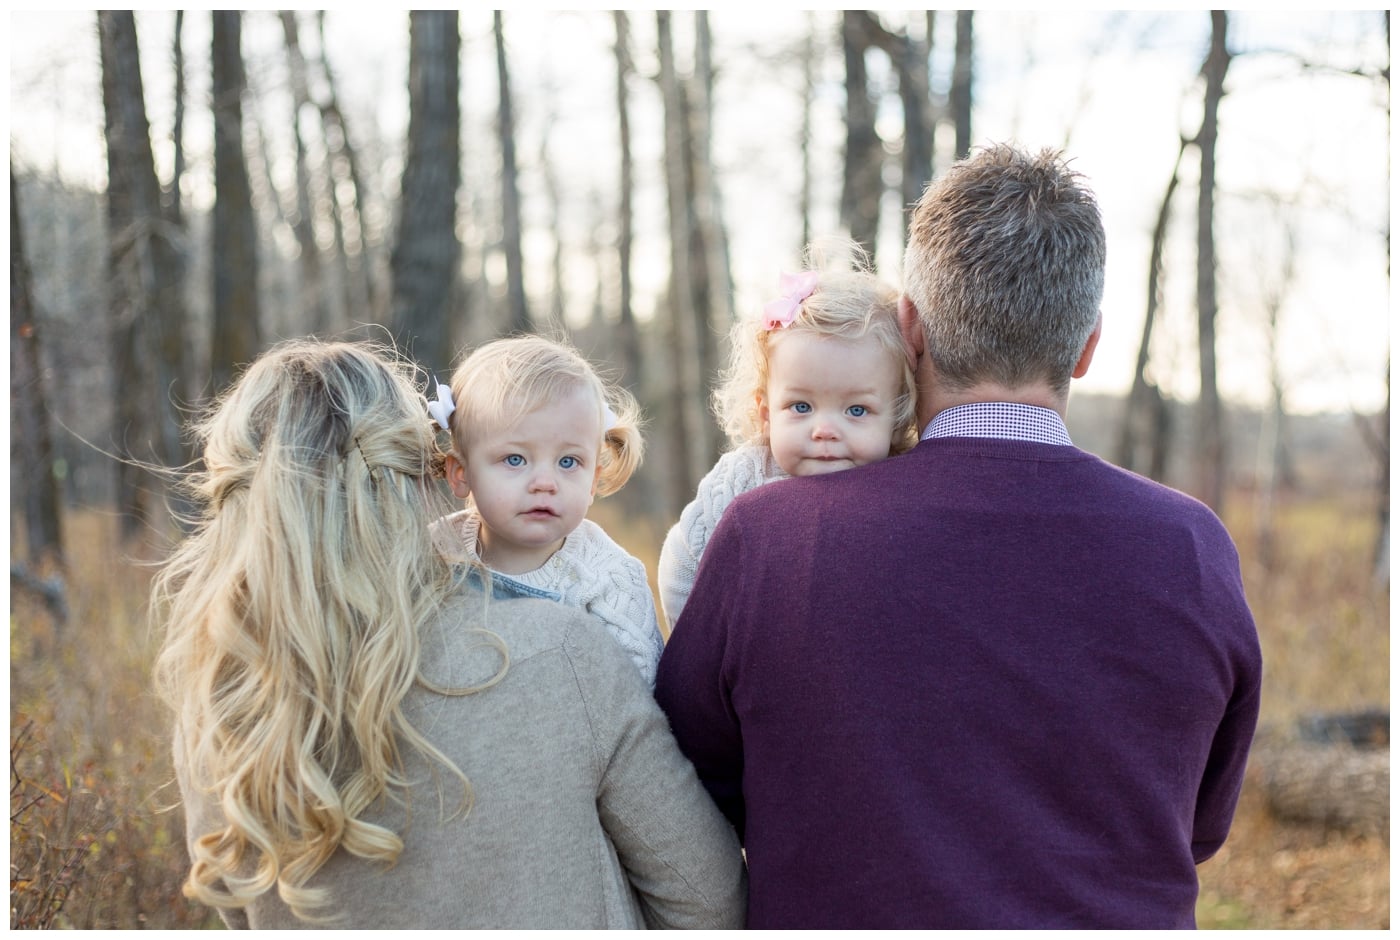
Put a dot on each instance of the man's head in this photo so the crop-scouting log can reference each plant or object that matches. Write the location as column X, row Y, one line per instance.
column 1005, row 266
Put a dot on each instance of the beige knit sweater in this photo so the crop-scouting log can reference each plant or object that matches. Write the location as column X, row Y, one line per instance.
column 586, row 814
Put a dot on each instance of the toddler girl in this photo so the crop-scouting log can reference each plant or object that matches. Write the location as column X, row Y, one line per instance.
column 535, row 436
column 819, row 383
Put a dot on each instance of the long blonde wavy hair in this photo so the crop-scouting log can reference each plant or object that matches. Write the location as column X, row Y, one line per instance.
column 292, row 617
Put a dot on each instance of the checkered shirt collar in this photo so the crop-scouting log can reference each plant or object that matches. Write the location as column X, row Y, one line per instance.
column 1004, row 420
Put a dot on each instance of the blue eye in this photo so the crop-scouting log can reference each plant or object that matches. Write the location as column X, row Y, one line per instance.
column 857, row 411
column 801, row 407
column 568, row 463
column 515, row 460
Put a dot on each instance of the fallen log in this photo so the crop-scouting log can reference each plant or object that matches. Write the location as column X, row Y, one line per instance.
column 1329, row 770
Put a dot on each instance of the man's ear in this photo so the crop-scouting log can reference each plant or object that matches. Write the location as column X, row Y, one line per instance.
column 456, row 476
column 1087, row 354
column 912, row 329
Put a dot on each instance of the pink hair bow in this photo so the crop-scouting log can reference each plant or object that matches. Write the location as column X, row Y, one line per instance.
column 795, row 289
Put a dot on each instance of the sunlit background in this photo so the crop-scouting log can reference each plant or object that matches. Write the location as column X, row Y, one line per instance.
column 1303, row 154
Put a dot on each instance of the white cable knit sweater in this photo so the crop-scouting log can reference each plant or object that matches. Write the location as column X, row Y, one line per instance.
column 590, row 572
column 738, row 471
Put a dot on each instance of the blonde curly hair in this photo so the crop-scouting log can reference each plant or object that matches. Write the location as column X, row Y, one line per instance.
column 849, row 301
column 292, row 617
column 506, row 379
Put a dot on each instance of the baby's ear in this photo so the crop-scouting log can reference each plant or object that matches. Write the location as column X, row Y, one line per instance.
column 760, row 401
column 456, row 473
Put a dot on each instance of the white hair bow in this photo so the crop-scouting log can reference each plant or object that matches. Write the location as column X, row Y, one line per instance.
column 442, row 408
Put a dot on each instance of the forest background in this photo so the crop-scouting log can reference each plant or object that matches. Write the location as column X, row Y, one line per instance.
column 186, row 188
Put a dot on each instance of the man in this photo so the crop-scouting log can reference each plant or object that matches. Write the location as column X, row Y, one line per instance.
column 995, row 682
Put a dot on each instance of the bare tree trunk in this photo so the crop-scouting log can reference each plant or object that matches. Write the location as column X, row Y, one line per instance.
column 1210, row 439
column 688, row 394
column 237, row 332
column 426, row 254
column 804, row 143
column 311, row 289
column 31, row 440
column 710, row 198
column 1381, row 565
column 628, row 341
column 510, row 193
column 919, row 128
column 126, row 126
column 960, row 93
column 909, row 58
column 174, row 207
column 709, row 269
column 557, row 305
column 1270, row 457
column 642, row 496
column 863, row 183
column 150, row 365
column 361, row 286
column 1145, row 406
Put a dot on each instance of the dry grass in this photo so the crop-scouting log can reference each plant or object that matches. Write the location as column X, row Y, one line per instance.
column 93, row 842
column 1324, row 626
column 93, row 845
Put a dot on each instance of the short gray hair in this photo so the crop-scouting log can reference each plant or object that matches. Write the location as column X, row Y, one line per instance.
column 1005, row 264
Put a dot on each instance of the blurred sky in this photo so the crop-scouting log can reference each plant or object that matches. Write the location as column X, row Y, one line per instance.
column 1301, row 150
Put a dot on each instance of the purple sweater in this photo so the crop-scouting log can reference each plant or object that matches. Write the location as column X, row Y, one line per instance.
column 985, row 684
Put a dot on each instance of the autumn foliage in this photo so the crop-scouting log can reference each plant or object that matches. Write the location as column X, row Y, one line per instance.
column 96, row 837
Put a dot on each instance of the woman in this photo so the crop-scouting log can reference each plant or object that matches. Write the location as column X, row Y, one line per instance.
column 364, row 737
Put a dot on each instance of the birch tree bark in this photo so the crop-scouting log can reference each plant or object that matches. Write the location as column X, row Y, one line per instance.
column 425, row 256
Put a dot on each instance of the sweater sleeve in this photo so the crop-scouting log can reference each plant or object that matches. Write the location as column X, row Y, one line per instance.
column 621, row 598
column 736, row 472
column 1223, row 778
column 680, row 855
column 691, row 683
